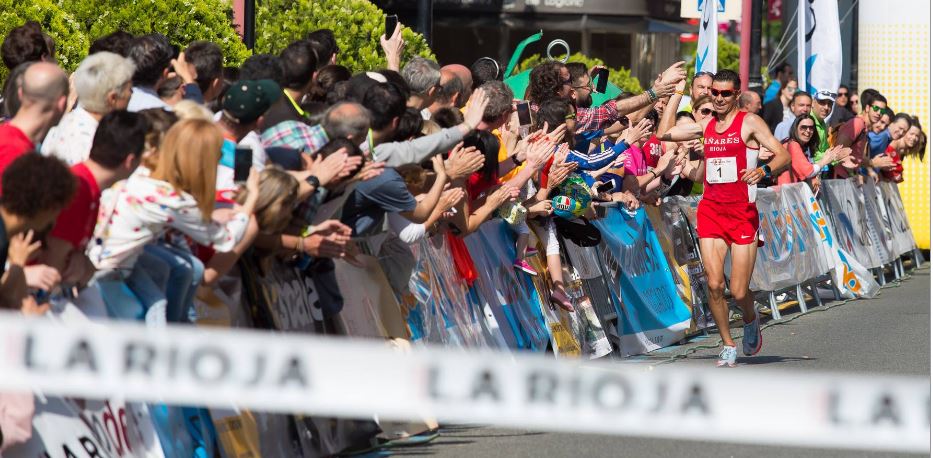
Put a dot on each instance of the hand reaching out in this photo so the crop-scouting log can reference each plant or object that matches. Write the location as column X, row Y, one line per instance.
column 462, row 162
column 504, row 194
column 475, row 108
column 393, row 47
column 637, row 132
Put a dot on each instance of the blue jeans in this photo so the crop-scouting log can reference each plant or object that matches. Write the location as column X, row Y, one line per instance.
column 137, row 293
column 185, row 272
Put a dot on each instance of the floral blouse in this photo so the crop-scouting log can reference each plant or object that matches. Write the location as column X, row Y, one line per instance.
column 139, row 210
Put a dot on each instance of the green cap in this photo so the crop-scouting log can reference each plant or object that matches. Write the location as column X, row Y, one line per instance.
column 247, row 100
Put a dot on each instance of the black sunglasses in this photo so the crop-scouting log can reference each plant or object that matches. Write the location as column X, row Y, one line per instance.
column 725, row 94
column 706, row 111
column 842, row 94
column 806, row 127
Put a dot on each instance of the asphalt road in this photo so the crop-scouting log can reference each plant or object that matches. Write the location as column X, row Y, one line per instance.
column 889, row 334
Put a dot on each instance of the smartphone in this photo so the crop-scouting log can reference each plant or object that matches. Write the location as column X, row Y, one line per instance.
column 175, row 51
column 391, row 24
column 605, row 186
column 524, row 113
column 601, row 79
column 243, row 161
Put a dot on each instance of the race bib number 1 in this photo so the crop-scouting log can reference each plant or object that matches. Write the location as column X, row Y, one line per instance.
column 721, row 170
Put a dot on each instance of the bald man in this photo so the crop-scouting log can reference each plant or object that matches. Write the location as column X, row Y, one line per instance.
column 466, row 79
column 348, row 120
column 448, row 95
column 750, row 101
column 44, row 96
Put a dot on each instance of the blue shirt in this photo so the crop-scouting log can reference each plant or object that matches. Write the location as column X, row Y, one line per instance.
column 782, row 131
column 772, row 92
column 877, row 143
column 367, row 205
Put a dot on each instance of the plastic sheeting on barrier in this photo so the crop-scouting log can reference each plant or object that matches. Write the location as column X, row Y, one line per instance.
column 512, row 299
column 844, row 204
column 445, row 310
column 683, row 254
column 651, row 312
column 790, row 255
column 894, row 216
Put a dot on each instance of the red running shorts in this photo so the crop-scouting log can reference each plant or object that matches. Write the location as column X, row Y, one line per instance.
column 734, row 223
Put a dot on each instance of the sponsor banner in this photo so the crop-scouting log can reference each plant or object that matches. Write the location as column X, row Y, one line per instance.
column 895, row 218
column 819, row 43
column 683, row 256
column 651, row 312
column 790, row 254
column 844, row 205
column 849, row 276
column 881, row 236
column 287, row 372
column 707, row 43
column 511, row 300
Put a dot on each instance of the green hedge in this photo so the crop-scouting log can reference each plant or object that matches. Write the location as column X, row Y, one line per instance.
column 75, row 23
column 71, row 41
column 356, row 23
column 182, row 21
column 621, row 77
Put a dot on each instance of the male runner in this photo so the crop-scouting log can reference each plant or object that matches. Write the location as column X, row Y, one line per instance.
column 727, row 216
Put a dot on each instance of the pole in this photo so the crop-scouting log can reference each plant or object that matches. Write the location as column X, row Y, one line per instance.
column 754, row 61
column 249, row 23
column 745, row 45
column 426, row 18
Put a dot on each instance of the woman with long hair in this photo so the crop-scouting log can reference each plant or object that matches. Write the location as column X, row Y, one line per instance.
column 802, row 145
column 179, row 194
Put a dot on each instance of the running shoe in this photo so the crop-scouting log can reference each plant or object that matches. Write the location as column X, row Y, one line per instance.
column 523, row 265
column 751, row 340
column 726, row 357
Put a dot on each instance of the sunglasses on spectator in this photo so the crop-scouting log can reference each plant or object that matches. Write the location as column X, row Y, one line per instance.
column 570, row 116
column 842, row 94
column 877, row 109
column 585, row 86
column 725, row 94
column 706, row 111
column 808, row 127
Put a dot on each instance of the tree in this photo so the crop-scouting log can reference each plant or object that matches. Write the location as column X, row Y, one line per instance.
column 182, row 21
column 357, row 24
column 728, row 58
column 71, row 42
column 621, row 77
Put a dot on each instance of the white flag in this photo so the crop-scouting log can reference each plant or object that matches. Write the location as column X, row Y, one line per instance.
column 819, row 45
column 707, row 45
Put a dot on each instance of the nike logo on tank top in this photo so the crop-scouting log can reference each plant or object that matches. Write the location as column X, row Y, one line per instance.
column 726, row 156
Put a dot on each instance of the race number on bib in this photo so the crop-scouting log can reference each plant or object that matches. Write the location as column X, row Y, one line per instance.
column 721, row 170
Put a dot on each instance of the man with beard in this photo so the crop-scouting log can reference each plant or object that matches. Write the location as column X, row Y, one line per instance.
column 591, row 118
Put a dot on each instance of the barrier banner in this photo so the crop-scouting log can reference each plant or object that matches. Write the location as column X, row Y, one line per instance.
column 683, row 255
column 282, row 298
column 881, row 235
column 651, row 312
column 92, row 427
column 288, row 372
column 790, row 254
column 444, row 311
column 844, row 204
column 511, row 299
column 895, row 218
column 849, row 275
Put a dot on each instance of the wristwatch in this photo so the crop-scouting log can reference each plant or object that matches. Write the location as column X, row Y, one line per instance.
column 767, row 170
column 313, row 181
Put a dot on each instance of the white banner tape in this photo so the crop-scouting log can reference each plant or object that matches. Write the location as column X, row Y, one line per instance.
column 352, row 378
